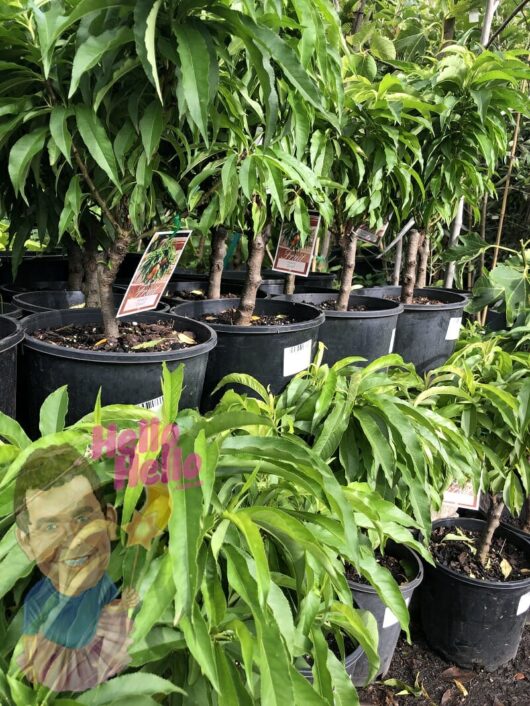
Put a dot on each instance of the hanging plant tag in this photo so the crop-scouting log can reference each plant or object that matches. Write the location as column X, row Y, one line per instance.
column 474, row 16
column 453, row 330
column 154, row 272
column 392, row 341
column 296, row 358
column 291, row 256
column 153, row 405
column 389, row 618
column 370, row 236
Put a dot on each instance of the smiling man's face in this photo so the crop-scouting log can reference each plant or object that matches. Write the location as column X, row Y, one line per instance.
column 68, row 535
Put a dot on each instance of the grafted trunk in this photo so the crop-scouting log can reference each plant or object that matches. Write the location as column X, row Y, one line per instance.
column 247, row 303
column 397, row 262
column 217, row 262
column 409, row 281
column 107, row 272
column 290, row 283
column 492, row 522
column 423, row 264
column 75, row 266
column 349, row 251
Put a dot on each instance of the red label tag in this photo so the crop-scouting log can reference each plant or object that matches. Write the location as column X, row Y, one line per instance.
column 293, row 258
column 154, row 272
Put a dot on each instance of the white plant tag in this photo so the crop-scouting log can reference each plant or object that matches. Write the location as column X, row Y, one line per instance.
column 474, row 16
column 296, row 358
column 389, row 618
column 392, row 341
column 524, row 604
column 152, row 405
column 453, row 330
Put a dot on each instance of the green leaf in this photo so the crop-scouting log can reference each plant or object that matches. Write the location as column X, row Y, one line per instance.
column 95, row 137
column 157, row 599
column 382, row 47
column 257, row 548
column 145, row 15
column 133, row 685
column 195, row 69
column 13, row 432
column 93, row 49
column 151, row 127
column 21, row 155
column 174, row 188
column 13, row 567
column 59, row 130
column 53, row 411
column 172, row 383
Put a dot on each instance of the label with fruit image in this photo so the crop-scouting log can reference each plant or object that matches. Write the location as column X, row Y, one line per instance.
column 154, row 272
column 291, row 256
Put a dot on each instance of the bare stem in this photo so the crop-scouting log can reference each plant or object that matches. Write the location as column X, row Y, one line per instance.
column 423, row 264
column 217, row 262
column 492, row 523
column 455, row 234
column 247, row 302
column 349, row 251
column 290, row 283
column 409, row 282
column 397, row 262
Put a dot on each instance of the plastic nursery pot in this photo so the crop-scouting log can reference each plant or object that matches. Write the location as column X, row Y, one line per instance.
column 270, row 285
column 313, row 279
column 426, row 333
column 387, row 624
column 11, row 310
column 350, row 664
column 35, row 302
column 174, row 290
column 505, row 522
column 11, row 334
column 496, row 320
column 472, row 622
column 8, row 291
column 369, row 334
column 124, row 378
column 271, row 354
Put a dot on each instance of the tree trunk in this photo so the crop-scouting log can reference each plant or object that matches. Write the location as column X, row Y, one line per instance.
column 217, row 262
column 492, row 522
column 455, row 234
column 75, row 266
column 349, row 251
column 90, row 263
column 325, row 249
column 397, row 262
column 256, row 254
column 526, row 516
column 489, row 12
column 449, row 29
column 290, row 283
column 409, row 281
column 107, row 272
column 423, row 265
column 359, row 16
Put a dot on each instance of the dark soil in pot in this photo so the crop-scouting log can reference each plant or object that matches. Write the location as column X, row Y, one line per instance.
column 417, row 664
column 124, row 377
column 406, row 567
column 470, row 620
column 11, row 334
column 177, row 292
column 426, row 333
column 273, row 354
column 11, row 310
column 367, row 329
column 35, row 302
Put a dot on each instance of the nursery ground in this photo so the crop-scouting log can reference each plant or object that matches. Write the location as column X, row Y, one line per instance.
column 417, row 666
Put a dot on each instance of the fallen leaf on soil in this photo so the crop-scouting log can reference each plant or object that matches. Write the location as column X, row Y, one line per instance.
column 186, row 337
column 506, row 568
column 519, row 676
column 197, row 291
column 461, row 688
column 496, row 702
column 100, row 343
column 447, row 697
column 463, row 675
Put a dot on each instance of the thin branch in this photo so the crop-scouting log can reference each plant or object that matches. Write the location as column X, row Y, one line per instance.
column 506, row 22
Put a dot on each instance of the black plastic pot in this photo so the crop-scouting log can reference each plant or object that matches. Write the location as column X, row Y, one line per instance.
column 387, row 624
column 270, row 285
column 8, row 291
column 369, row 334
column 271, row 354
column 124, row 378
column 496, row 320
column 481, row 515
column 11, row 310
column 173, row 289
column 11, row 334
column 36, row 302
column 426, row 333
column 472, row 622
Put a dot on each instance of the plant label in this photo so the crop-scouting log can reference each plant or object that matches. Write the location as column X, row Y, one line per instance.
column 154, row 405
column 524, row 604
column 296, row 358
column 389, row 617
column 154, row 272
column 291, row 256
column 453, row 330
column 392, row 340
column 370, row 236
